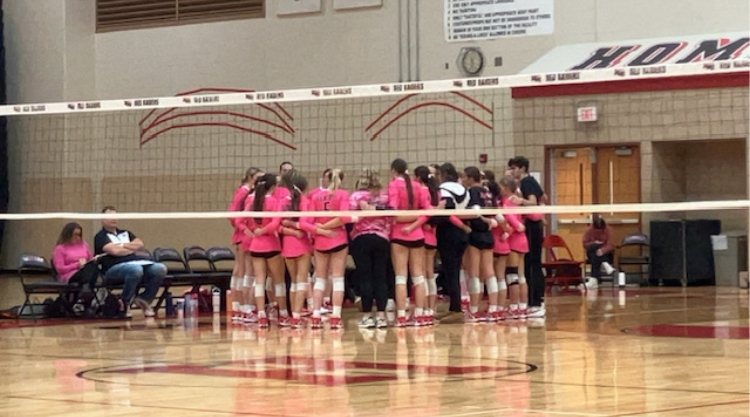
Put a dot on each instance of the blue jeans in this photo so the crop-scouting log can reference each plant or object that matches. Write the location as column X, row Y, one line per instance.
column 132, row 275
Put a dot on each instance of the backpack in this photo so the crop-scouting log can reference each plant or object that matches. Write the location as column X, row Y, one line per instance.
column 55, row 309
column 110, row 309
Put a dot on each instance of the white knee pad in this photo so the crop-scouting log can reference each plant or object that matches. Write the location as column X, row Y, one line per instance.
column 248, row 281
column 260, row 289
column 400, row 280
column 280, row 290
column 512, row 279
column 475, row 285
column 521, row 280
column 320, row 284
column 432, row 286
column 301, row 287
column 492, row 285
column 502, row 285
column 269, row 284
column 233, row 283
column 417, row 281
column 338, row 284
column 292, row 287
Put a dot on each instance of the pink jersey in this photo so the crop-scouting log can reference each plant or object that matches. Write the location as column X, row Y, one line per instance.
column 326, row 200
column 517, row 240
column 502, row 245
column 282, row 193
column 238, row 203
column 268, row 241
column 398, row 199
column 294, row 246
column 380, row 226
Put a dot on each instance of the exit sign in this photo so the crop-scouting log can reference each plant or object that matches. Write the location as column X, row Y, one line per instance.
column 587, row 114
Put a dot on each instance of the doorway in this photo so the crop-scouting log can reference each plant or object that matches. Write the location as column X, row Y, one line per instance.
column 607, row 174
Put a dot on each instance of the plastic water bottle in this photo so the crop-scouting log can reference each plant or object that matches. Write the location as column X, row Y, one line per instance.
column 216, row 299
column 192, row 306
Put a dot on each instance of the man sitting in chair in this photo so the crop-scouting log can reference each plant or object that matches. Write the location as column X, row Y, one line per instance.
column 121, row 265
column 599, row 244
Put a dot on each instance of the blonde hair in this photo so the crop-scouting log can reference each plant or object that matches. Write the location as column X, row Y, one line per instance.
column 369, row 179
column 335, row 177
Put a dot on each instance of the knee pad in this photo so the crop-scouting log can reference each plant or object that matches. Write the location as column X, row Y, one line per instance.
column 301, row 287
column 511, row 270
column 512, row 279
column 432, row 286
column 260, row 290
column 521, row 280
column 338, row 284
column 502, row 285
column 400, row 280
column 280, row 290
column 248, row 281
column 492, row 285
column 269, row 284
column 475, row 285
column 292, row 287
column 320, row 284
column 233, row 283
column 417, row 281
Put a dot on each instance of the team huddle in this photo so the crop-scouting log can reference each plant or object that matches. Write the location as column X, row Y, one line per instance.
column 394, row 256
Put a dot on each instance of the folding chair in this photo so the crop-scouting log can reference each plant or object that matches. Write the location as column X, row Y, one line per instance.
column 196, row 255
column 638, row 243
column 31, row 265
column 560, row 270
column 218, row 256
column 178, row 273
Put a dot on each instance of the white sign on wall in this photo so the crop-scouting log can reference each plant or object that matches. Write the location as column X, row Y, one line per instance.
column 286, row 7
column 467, row 20
column 355, row 4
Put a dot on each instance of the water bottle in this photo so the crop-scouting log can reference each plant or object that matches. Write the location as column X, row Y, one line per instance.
column 192, row 306
column 216, row 299
column 170, row 305
column 180, row 309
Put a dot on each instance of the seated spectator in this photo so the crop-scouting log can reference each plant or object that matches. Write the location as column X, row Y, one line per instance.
column 120, row 264
column 72, row 257
column 599, row 244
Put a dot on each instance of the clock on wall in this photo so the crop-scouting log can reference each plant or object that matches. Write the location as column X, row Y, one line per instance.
column 471, row 61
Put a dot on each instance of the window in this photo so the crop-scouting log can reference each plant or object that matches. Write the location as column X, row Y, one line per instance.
column 112, row 15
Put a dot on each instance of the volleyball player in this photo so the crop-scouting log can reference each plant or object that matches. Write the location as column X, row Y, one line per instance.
column 500, row 251
column 519, row 246
column 330, row 251
column 296, row 246
column 407, row 242
column 265, row 249
column 238, row 272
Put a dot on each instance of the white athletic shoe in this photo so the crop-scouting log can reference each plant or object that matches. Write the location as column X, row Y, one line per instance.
column 536, row 313
column 608, row 268
column 591, row 284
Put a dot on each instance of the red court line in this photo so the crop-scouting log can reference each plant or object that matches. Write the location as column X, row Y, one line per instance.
column 214, row 112
column 687, row 407
column 161, row 407
column 428, row 104
column 698, row 332
column 220, row 124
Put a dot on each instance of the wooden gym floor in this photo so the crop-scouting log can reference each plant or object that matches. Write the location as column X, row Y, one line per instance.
column 647, row 352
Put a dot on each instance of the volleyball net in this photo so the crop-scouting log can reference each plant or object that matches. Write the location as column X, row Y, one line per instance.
column 171, row 164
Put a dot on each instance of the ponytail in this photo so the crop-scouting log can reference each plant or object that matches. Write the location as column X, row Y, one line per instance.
column 399, row 167
column 299, row 185
column 425, row 177
column 335, row 177
column 264, row 183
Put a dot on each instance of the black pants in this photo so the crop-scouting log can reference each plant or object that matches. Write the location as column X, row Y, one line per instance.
column 596, row 260
column 452, row 243
column 533, row 262
column 371, row 255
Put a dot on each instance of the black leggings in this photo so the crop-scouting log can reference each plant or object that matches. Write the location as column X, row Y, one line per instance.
column 371, row 255
column 533, row 262
column 452, row 243
column 596, row 260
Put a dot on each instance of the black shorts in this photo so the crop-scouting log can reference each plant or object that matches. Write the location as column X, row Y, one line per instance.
column 430, row 247
column 334, row 249
column 409, row 243
column 265, row 255
column 482, row 240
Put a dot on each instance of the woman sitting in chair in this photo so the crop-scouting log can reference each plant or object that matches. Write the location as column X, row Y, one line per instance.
column 599, row 244
column 71, row 255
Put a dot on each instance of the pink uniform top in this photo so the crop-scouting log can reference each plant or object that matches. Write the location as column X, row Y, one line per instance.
column 294, row 246
column 238, row 204
column 269, row 241
column 380, row 226
column 326, row 200
column 517, row 240
column 65, row 258
column 281, row 193
column 398, row 199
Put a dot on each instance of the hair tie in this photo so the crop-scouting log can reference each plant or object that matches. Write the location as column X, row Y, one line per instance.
column 430, row 176
column 297, row 189
column 261, row 183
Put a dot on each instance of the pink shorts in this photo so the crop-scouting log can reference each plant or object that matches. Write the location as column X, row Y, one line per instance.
column 502, row 247
column 518, row 242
